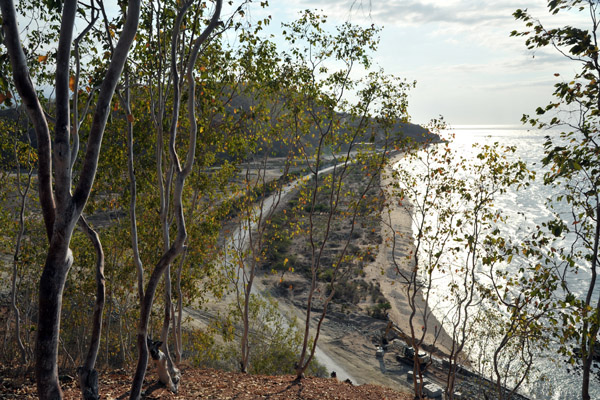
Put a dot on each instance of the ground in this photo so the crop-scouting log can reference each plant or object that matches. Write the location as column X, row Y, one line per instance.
column 207, row 384
column 348, row 337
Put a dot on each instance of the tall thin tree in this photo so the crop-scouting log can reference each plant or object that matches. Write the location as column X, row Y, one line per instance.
column 61, row 203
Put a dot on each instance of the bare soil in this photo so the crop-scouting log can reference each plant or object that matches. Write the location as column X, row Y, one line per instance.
column 349, row 335
column 206, row 384
column 396, row 217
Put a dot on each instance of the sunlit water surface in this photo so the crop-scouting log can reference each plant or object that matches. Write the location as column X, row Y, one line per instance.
column 525, row 209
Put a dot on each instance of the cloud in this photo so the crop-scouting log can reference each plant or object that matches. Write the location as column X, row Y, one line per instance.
column 482, row 22
column 539, row 83
column 419, row 12
column 542, row 60
column 460, row 51
column 423, row 11
column 485, row 23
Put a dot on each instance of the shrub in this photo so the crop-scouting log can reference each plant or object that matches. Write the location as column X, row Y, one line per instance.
column 380, row 310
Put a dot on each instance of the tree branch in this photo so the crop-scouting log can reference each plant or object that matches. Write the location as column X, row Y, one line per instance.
column 107, row 89
column 34, row 110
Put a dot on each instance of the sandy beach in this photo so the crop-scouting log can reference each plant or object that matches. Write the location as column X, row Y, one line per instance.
column 396, row 218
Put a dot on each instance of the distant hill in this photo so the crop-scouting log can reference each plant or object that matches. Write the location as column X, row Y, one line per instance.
column 415, row 132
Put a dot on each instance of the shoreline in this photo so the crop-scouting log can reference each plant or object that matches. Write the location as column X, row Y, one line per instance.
column 383, row 271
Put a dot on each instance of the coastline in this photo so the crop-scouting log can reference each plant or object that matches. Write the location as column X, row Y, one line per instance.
column 347, row 341
column 383, row 271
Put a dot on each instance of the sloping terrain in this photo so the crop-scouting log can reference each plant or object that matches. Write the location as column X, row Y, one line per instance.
column 208, row 384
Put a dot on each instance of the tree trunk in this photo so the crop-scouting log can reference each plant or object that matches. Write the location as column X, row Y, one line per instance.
column 168, row 316
column 587, row 360
column 589, row 341
column 245, row 345
column 139, row 267
column 178, row 321
column 88, row 376
column 146, row 307
column 52, row 283
column 585, row 381
column 140, row 370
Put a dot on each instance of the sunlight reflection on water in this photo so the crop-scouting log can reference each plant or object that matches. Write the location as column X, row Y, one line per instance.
column 525, row 210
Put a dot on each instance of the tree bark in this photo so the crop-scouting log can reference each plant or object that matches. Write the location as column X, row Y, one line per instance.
column 137, row 261
column 88, row 376
column 52, row 283
column 140, row 372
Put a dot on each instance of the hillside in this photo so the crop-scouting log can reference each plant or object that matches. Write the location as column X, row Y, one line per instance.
column 401, row 130
column 207, row 384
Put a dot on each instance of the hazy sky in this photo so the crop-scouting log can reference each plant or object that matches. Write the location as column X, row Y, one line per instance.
column 466, row 65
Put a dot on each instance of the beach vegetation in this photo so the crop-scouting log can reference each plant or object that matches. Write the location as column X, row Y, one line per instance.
column 275, row 340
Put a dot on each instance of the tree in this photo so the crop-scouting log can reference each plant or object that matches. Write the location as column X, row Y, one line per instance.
column 574, row 165
column 18, row 160
column 337, row 139
column 270, row 138
column 23, row 154
column 420, row 186
column 274, row 339
column 179, row 175
column 61, row 201
column 457, row 231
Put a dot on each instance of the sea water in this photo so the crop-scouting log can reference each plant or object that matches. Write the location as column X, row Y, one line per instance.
column 525, row 209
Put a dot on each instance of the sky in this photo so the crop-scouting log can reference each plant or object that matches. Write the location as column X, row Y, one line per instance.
column 467, row 67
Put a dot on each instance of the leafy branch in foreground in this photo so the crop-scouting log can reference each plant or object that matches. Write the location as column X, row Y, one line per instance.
column 573, row 158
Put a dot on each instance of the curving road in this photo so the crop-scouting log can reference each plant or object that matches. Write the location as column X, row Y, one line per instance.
column 238, row 243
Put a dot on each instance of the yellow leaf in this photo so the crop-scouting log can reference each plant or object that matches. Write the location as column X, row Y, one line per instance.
column 42, row 58
column 72, row 83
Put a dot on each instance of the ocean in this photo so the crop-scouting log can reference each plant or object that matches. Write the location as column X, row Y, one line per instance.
column 524, row 209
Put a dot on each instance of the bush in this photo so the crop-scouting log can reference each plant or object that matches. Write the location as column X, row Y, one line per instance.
column 275, row 342
column 380, row 310
column 347, row 291
column 375, row 293
column 325, row 275
column 319, row 208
